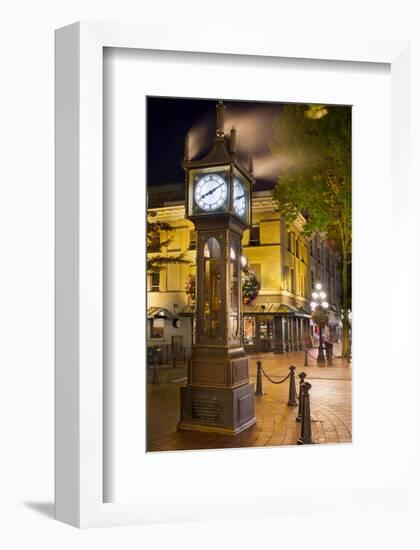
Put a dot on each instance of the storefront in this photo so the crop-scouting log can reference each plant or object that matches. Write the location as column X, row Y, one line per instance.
column 168, row 334
column 277, row 328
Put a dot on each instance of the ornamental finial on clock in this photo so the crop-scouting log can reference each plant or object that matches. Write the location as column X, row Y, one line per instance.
column 232, row 141
column 220, row 119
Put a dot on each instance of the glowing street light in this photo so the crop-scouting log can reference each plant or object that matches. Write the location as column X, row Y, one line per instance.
column 319, row 308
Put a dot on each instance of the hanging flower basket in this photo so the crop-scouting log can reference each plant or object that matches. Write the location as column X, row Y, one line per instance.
column 250, row 287
column 190, row 287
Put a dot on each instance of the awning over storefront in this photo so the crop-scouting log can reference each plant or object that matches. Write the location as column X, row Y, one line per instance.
column 273, row 309
column 159, row 313
column 260, row 309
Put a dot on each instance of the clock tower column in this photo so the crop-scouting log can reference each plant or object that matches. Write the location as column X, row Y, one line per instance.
column 218, row 396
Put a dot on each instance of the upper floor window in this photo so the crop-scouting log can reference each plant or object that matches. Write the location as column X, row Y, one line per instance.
column 286, row 278
column 193, row 240
column 290, row 241
column 254, row 235
column 155, row 280
column 302, row 285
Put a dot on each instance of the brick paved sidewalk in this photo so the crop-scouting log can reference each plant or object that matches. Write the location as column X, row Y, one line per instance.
column 276, row 425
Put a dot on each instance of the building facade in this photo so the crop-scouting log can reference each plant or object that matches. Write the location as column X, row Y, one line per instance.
column 286, row 263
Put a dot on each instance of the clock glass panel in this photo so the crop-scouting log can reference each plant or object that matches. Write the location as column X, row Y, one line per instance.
column 239, row 198
column 210, row 192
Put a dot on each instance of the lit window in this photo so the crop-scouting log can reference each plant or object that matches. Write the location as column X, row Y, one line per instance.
column 193, row 240
column 155, row 281
column 156, row 328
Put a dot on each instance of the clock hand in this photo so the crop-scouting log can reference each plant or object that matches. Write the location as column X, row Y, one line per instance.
column 211, row 190
column 238, row 198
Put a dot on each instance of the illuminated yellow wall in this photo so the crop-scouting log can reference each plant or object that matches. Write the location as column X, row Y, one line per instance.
column 269, row 259
column 274, row 259
column 269, row 232
column 275, row 262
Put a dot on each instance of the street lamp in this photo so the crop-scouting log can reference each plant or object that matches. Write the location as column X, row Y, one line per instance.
column 319, row 307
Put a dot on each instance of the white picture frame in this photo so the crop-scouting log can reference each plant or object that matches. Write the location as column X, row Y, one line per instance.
column 79, row 241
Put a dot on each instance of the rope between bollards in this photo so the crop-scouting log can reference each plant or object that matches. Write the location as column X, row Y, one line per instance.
column 274, row 381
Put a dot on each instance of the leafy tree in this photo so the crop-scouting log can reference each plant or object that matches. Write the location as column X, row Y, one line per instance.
column 315, row 143
column 155, row 258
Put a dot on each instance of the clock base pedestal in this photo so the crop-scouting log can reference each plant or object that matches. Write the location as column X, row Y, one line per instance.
column 222, row 410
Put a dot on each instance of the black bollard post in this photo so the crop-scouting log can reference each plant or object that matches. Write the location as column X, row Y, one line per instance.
column 305, row 364
column 292, row 387
column 155, row 376
column 259, row 388
column 329, row 352
column 302, row 377
column 305, row 426
column 173, row 360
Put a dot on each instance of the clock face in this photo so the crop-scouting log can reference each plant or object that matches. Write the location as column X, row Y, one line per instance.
column 239, row 198
column 210, row 192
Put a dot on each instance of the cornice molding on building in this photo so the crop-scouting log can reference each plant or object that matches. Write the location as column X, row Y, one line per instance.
column 267, row 204
column 269, row 292
column 263, row 204
column 300, row 222
column 168, row 212
column 260, row 204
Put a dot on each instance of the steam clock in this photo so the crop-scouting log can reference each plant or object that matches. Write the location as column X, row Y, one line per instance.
column 218, row 396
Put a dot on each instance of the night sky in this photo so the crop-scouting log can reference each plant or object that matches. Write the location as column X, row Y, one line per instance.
column 170, row 119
